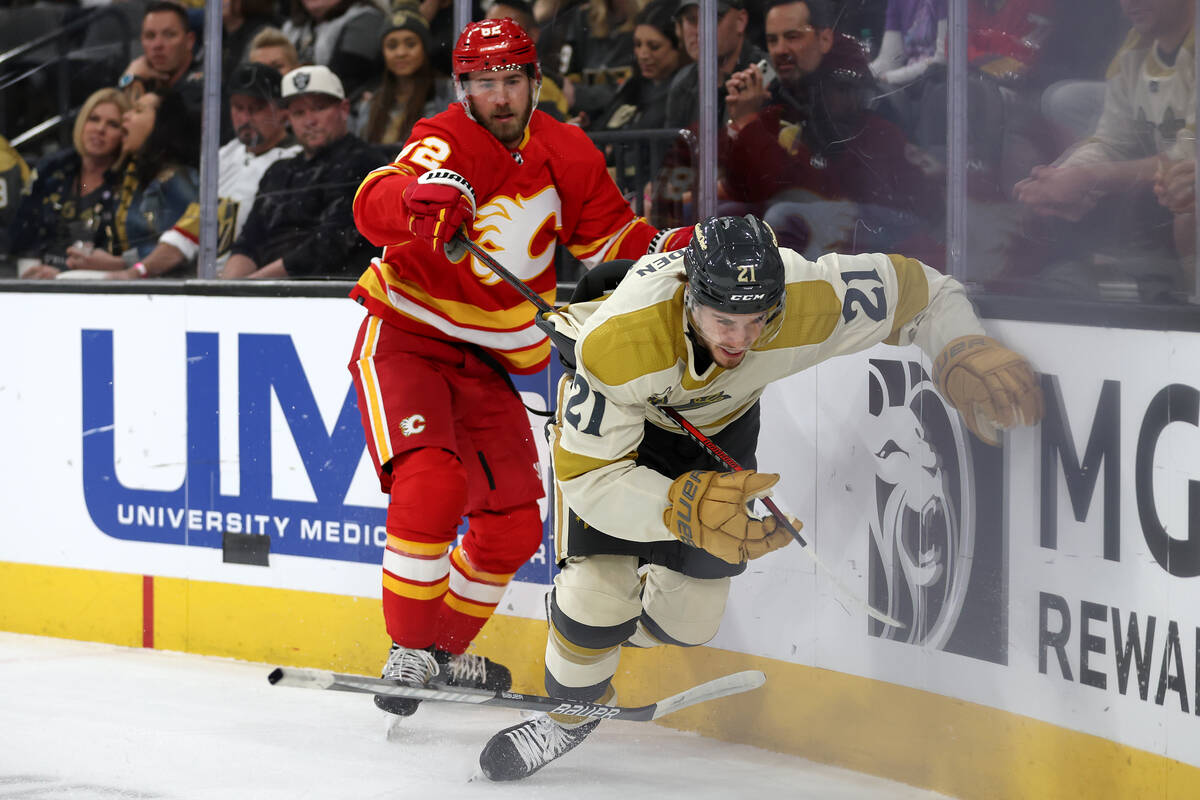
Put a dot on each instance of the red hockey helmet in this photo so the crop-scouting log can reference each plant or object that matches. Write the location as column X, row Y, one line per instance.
column 494, row 44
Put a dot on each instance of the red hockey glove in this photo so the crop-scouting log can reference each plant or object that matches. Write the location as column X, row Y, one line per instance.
column 438, row 204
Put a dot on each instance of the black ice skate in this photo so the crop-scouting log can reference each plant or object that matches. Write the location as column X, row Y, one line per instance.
column 472, row 671
column 411, row 667
column 518, row 752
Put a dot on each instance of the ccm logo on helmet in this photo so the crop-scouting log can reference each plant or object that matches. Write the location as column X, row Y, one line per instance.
column 759, row 296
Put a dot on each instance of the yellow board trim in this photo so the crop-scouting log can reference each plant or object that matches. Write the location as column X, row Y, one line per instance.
column 958, row 748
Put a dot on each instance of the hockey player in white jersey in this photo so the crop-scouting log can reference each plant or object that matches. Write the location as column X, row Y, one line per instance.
column 704, row 330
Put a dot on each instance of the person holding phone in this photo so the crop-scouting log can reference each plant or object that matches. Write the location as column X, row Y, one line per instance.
column 806, row 151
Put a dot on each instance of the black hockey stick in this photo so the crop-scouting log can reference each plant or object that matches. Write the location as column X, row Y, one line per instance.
column 719, row 687
column 486, row 258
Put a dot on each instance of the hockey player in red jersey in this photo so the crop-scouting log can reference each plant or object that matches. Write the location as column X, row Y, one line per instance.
column 446, row 431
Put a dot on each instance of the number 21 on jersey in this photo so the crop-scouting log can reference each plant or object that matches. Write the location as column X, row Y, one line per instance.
column 583, row 401
column 873, row 305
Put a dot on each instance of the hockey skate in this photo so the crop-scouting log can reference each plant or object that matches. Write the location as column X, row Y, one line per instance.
column 411, row 667
column 472, row 671
column 518, row 752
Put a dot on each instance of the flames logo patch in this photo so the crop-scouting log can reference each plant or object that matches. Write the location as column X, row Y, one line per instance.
column 520, row 232
column 412, row 425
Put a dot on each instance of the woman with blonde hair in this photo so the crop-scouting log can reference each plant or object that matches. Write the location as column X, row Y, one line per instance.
column 74, row 189
column 410, row 88
column 157, row 182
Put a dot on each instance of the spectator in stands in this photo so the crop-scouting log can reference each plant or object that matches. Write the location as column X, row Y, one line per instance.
column 914, row 40
column 340, row 34
column 442, row 30
column 168, row 45
column 271, row 46
column 1175, row 188
column 302, row 223
column 641, row 101
column 593, row 41
column 260, row 127
column 241, row 21
column 410, row 88
column 734, row 52
column 14, row 177
column 557, row 95
column 73, row 191
column 833, row 175
column 159, row 181
column 1110, row 231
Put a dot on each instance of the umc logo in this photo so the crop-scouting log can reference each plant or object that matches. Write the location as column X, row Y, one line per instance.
column 936, row 535
column 196, row 513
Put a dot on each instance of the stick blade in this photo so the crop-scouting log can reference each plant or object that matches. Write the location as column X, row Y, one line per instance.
column 715, row 689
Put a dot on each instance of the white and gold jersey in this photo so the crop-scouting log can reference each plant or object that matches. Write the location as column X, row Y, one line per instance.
column 633, row 354
column 1147, row 103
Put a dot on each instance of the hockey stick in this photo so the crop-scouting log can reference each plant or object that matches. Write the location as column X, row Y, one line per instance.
column 724, row 686
column 712, row 447
column 486, row 258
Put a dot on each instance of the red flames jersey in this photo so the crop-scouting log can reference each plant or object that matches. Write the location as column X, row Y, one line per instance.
column 553, row 188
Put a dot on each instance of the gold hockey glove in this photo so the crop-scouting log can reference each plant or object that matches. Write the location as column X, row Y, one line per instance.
column 708, row 510
column 991, row 386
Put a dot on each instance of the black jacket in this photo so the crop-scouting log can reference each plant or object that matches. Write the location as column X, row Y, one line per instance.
column 303, row 212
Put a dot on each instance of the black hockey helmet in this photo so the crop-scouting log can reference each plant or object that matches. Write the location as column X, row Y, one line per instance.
column 733, row 265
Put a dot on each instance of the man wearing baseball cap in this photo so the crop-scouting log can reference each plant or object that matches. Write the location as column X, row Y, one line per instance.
column 261, row 138
column 302, row 224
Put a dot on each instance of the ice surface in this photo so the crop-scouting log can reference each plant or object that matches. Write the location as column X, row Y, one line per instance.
column 85, row 720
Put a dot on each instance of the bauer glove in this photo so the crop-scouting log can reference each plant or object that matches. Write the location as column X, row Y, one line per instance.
column 709, row 510
column 438, row 203
column 991, row 386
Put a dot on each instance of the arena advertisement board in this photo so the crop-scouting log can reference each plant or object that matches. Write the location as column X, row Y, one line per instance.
column 1055, row 577
column 178, row 420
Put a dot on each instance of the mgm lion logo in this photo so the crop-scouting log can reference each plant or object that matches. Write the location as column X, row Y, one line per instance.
column 936, row 533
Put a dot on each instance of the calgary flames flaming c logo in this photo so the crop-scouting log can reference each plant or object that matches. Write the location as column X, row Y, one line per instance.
column 523, row 228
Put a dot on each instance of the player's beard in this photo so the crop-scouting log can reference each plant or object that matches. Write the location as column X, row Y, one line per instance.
column 508, row 131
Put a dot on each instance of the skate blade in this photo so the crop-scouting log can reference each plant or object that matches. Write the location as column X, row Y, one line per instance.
column 393, row 727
